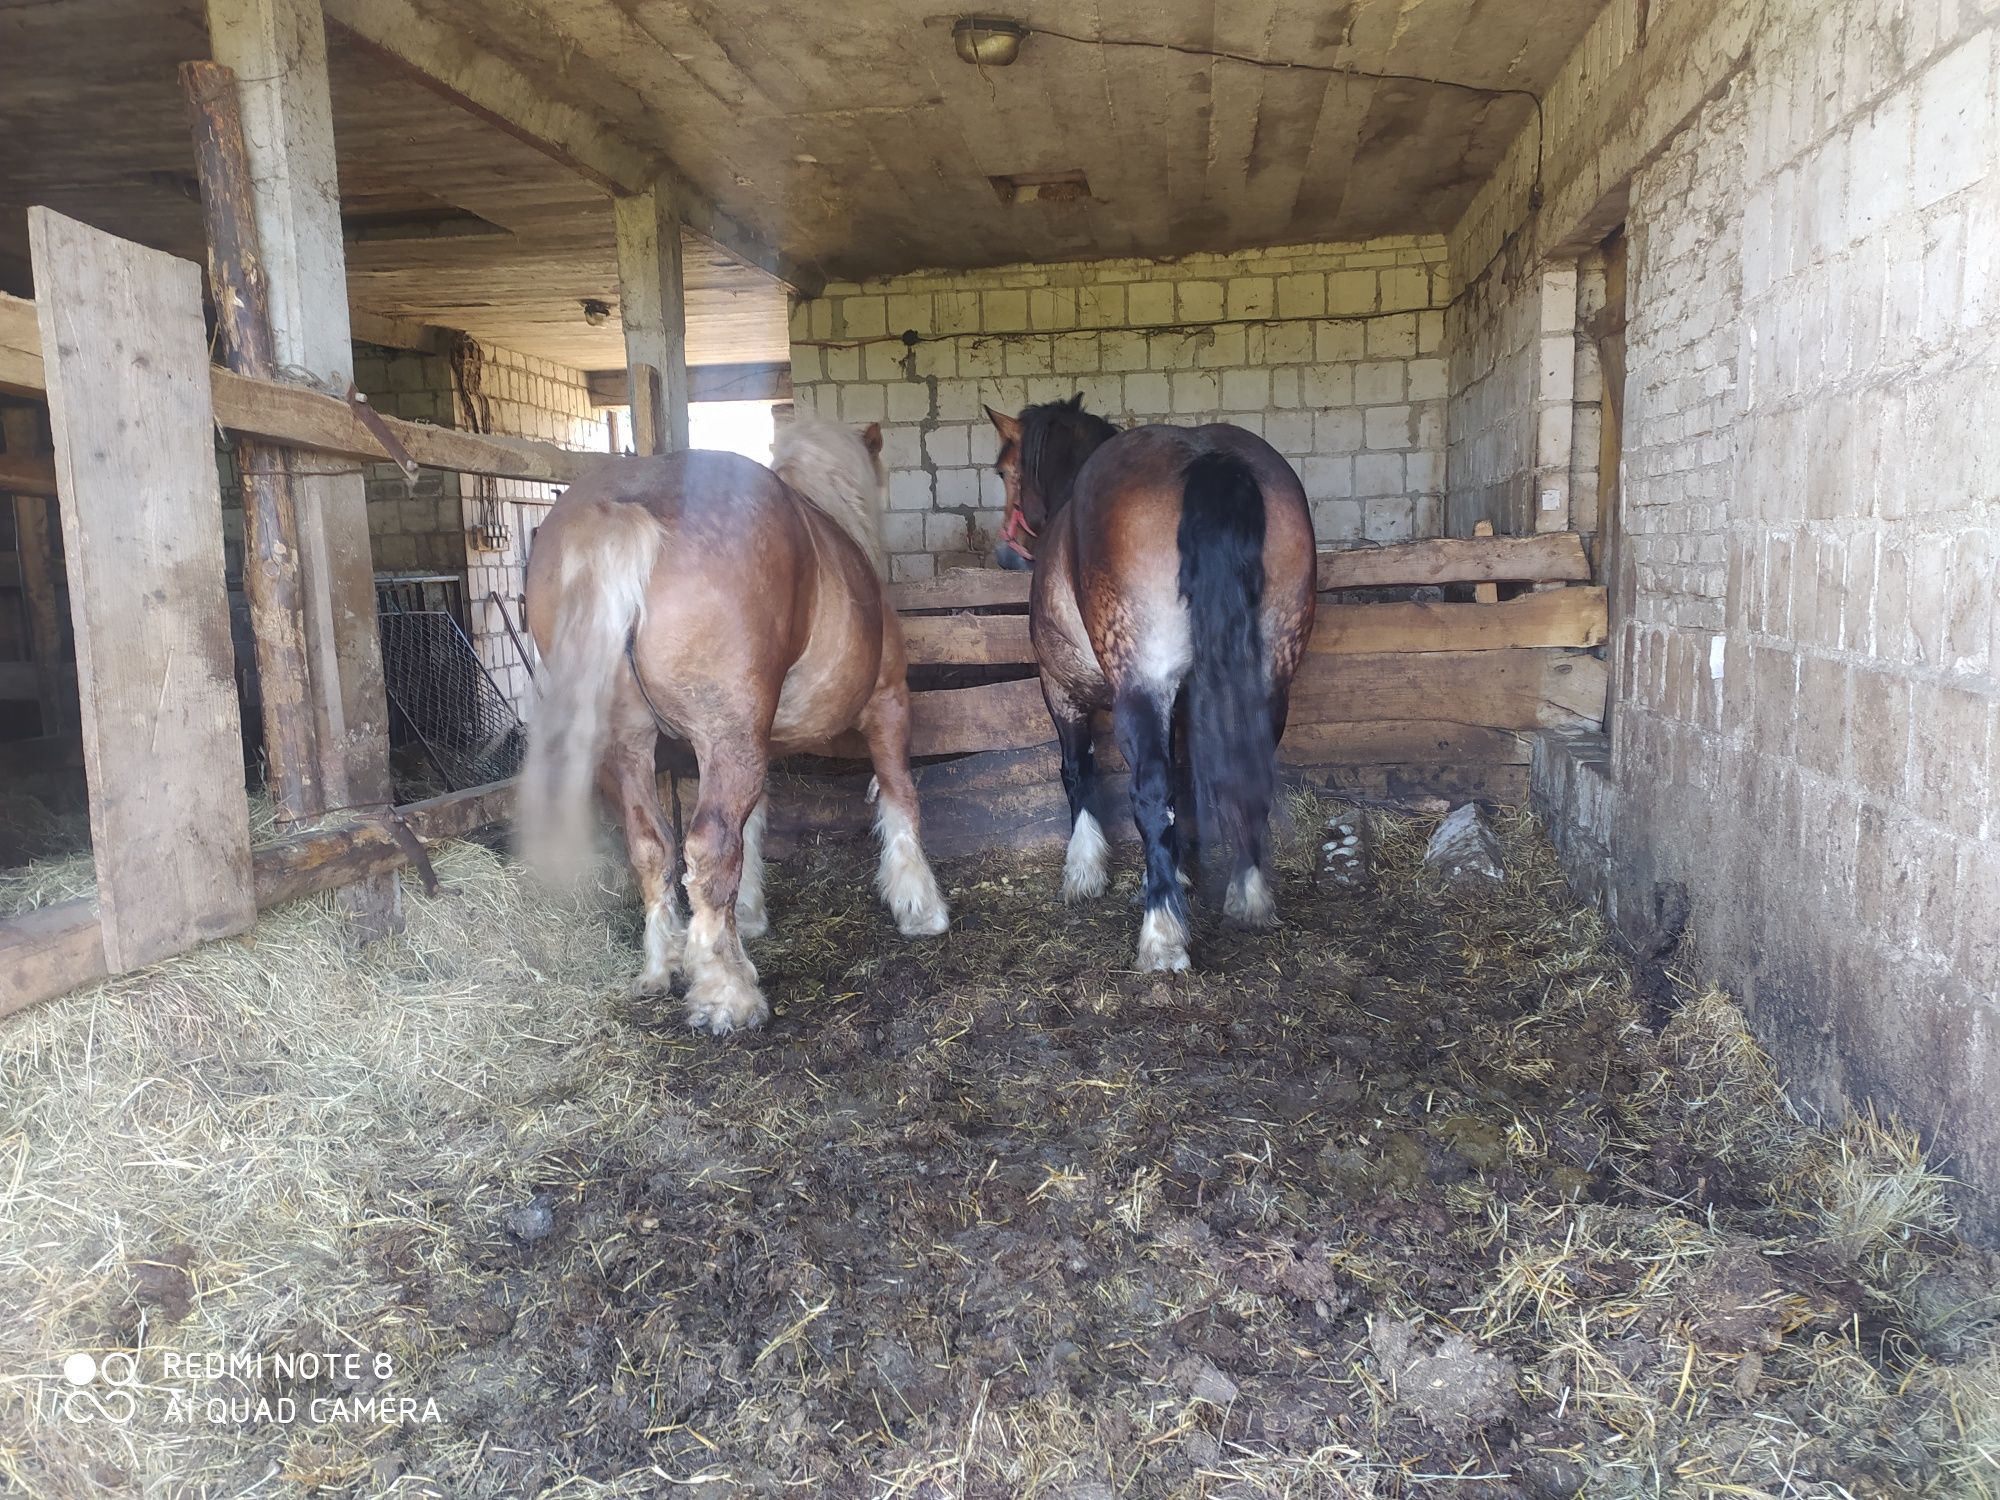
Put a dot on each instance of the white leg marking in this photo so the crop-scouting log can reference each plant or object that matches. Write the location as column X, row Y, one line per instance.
column 722, row 982
column 1162, row 942
column 1086, row 870
column 1250, row 901
column 752, row 921
column 665, row 938
column 904, row 877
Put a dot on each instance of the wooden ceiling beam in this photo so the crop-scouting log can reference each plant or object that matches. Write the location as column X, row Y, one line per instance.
column 769, row 382
column 392, row 332
column 497, row 90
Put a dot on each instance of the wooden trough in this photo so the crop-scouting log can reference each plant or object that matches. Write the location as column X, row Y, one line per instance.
column 1398, row 696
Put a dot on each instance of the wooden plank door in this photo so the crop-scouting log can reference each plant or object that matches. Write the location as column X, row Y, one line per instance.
column 126, row 360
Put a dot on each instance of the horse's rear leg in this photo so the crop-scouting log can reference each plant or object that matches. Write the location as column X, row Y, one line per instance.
column 904, row 878
column 722, row 983
column 1141, row 719
column 1086, row 868
column 752, row 921
column 633, row 786
column 1249, row 900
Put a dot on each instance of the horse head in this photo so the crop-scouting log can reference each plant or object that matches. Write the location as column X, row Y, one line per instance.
column 1040, row 454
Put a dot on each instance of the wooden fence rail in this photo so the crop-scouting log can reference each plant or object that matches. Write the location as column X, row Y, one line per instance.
column 297, row 416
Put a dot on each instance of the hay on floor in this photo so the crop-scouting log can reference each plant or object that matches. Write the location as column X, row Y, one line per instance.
column 1401, row 1199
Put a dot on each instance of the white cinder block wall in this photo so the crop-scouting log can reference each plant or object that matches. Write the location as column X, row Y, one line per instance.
column 1805, row 630
column 1333, row 352
column 429, row 526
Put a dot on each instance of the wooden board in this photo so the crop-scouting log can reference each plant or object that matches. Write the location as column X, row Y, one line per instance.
column 26, row 474
column 967, row 640
column 1508, row 689
column 48, row 953
column 20, row 348
column 126, row 357
column 1572, row 617
column 997, row 716
column 1555, row 558
column 60, row 948
column 296, row 416
column 1395, row 742
column 962, row 588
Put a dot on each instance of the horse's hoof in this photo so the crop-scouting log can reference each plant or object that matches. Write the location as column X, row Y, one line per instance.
column 1162, row 944
column 1249, row 902
column 752, row 924
column 930, row 922
column 722, row 1002
column 651, row 986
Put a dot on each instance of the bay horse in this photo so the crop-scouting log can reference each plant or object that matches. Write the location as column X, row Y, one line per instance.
column 742, row 610
column 1173, row 566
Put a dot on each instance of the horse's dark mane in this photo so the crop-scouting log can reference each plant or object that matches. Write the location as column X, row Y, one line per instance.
column 1056, row 437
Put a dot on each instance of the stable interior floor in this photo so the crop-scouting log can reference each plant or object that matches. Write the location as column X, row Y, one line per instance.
column 1411, row 1196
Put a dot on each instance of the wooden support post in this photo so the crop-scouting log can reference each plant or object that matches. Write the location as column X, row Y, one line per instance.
column 647, row 400
column 1484, row 593
column 653, row 306
column 126, row 359
column 271, row 572
column 34, row 542
column 277, row 49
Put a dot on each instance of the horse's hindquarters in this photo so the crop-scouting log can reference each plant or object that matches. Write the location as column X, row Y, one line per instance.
column 836, row 672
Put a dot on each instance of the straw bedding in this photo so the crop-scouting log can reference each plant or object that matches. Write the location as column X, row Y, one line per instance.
column 1403, row 1199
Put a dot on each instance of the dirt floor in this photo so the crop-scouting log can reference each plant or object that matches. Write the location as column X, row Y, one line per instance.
column 1402, row 1199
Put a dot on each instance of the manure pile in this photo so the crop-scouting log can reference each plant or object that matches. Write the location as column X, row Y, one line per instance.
column 1403, row 1199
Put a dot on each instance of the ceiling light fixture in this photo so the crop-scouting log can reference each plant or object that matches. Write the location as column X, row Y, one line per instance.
column 986, row 41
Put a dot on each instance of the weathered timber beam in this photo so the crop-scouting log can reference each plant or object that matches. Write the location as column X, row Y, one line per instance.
column 391, row 332
column 1571, row 617
column 60, row 948
column 20, row 348
column 1556, row 557
column 27, row 474
column 296, row 416
column 480, row 81
column 767, row 382
column 273, row 577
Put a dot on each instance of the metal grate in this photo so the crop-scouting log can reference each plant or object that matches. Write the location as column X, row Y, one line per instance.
column 444, row 705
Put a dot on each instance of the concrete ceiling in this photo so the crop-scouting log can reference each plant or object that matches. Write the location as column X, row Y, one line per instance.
column 848, row 139
column 853, row 138
column 92, row 123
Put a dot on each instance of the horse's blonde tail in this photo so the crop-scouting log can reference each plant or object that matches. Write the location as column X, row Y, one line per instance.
column 609, row 552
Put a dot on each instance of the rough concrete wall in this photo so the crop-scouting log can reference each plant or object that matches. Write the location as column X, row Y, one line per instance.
column 1511, row 421
column 415, row 527
column 1333, row 353
column 1806, row 717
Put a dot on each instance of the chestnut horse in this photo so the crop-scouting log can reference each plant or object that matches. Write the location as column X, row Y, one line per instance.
column 742, row 610
column 1173, row 565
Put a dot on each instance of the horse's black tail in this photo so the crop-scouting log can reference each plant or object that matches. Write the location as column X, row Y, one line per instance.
column 1232, row 738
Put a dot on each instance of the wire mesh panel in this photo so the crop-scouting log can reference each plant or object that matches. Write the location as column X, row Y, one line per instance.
column 445, row 706
column 413, row 591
